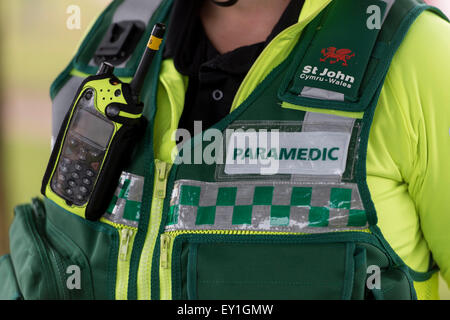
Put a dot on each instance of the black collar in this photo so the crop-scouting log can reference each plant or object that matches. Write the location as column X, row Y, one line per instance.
column 188, row 45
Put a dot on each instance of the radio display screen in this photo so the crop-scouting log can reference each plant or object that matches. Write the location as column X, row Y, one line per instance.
column 92, row 127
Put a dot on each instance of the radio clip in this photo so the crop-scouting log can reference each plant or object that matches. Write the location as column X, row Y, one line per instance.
column 119, row 42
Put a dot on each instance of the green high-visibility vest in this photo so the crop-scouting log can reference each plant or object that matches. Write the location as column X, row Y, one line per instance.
column 288, row 216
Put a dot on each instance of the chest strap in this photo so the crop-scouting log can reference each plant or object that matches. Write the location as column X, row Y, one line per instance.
column 345, row 53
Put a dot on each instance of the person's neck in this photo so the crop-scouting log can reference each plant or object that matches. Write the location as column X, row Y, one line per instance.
column 245, row 23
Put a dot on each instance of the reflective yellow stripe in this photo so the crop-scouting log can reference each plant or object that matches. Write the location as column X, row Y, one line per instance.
column 354, row 115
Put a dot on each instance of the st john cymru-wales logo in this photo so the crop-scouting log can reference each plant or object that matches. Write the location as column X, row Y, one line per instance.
column 337, row 55
column 339, row 77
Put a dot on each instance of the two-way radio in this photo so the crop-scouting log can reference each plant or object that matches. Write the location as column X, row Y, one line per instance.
column 99, row 131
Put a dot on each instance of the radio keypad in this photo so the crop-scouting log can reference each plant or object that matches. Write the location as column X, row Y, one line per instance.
column 76, row 171
column 72, row 183
column 90, row 173
column 75, row 175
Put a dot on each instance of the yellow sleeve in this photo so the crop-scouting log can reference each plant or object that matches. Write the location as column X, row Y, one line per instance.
column 409, row 147
column 431, row 191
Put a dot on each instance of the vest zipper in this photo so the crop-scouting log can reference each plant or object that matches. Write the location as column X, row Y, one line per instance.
column 161, row 180
column 125, row 236
column 165, row 266
column 162, row 170
column 165, row 245
column 123, row 263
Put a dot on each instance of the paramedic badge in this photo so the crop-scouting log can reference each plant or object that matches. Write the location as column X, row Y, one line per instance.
column 302, row 148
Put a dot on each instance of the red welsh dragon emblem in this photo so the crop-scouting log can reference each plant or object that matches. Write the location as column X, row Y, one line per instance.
column 339, row 55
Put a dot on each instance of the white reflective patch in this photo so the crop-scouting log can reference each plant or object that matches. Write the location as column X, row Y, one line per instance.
column 300, row 153
column 317, row 93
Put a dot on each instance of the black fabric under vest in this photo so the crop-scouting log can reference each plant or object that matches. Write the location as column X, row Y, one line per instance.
column 213, row 78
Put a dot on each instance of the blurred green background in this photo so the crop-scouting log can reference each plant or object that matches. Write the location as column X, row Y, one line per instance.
column 35, row 45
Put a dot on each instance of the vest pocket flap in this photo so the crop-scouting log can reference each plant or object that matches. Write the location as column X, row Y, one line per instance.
column 229, row 267
column 264, row 271
column 333, row 62
column 46, row 269
column 270, row 267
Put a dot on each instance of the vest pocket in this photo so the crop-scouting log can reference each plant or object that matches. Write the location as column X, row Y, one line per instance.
column 47, row 264
column 9, row 290
column 267, row 271
column 225, row 267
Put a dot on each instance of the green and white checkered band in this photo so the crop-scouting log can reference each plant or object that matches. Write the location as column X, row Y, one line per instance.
column 125, row 206
column 273, row 206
